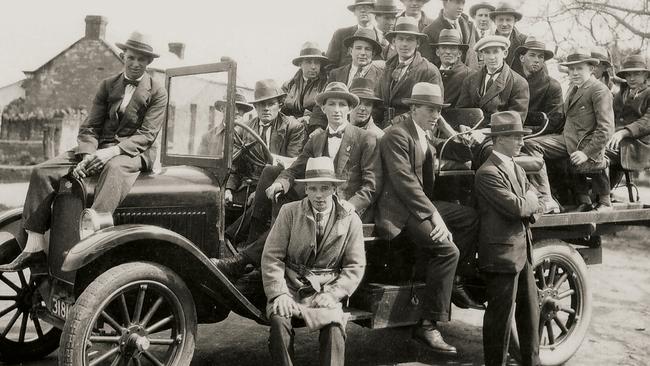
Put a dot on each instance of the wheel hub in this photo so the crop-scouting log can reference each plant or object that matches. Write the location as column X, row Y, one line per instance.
column 134, row 341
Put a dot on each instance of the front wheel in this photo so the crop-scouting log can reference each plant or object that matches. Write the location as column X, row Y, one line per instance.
column 134, row 314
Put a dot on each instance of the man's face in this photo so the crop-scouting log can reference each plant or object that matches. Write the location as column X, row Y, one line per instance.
column 449, row 55
column 336, row 110
column 362, row 112
column 320, row 194
column 636, row 79
column 135, row 63
column 268, row 110
column 405, row 44
column 482, row 19
column 509, row 145
column 579, row 73
column 413, row 8
column 385, row 22
column 453, row 8
column 599, row 70
column 532, row 61
column 362, row 12
column 505, row 23
column 493, row 57
column 426, row 116
column 310, row 68
column 361, row 52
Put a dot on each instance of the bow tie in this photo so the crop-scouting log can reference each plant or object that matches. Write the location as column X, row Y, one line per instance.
column 338, row 134
column 131, row 82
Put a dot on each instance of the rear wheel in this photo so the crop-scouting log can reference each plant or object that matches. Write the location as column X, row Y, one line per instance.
column 134, row 314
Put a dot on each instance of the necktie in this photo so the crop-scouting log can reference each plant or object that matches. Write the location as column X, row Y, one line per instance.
column 397, row 73
column 358, row 73
column 482, row 33
column 265, row 130
column 320, row 228
column 131, row 82
column 490, row 81
column 337, row 134
column 572, row 93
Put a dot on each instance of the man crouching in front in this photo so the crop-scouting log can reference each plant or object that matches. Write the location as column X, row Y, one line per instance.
column 313, row 259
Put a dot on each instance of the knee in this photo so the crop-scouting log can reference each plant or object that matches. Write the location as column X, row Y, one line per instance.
column 334, row 331
column 280, row 325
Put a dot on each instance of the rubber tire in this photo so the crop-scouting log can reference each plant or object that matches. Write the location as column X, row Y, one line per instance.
column 70, row 352
column 569, row 347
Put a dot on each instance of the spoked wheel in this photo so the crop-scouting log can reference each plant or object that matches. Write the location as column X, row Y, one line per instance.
column 564, row 299
column 134, row 314
column 250, row 150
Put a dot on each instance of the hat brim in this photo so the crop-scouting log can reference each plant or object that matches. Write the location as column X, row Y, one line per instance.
column 390, row 35
column 281, row 95
column 368, row 97
column 296, row 61
column 320, row 180
column 351, row 98
column 591, row 61
column 490, row 44
column 351, row 7
column 348, row 42
column 395, row 11
column 475, row 8
column 518, row 16
column 242, row 105
column 125, row 47
column 410, row 101
column 523, row 132
column 548, row 54
column 462, row 46
column 623, row 72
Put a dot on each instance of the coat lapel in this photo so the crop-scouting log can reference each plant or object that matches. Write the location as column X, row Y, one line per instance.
column 319, row 143
column 417, row 156
column 140, row 97
column 497, row 86
column 278, row 132
column 345, row 150
column 510, row 175
column 403, row 80
column 579, row 93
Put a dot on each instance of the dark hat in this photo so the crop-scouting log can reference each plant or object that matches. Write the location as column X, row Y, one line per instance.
column 482, row 5
column 310, row 50
column 507, row 123
column 364, row 89
column 366, row 35
column 138, row 42
column 633, row 63
column 405, row 25
column 450, row 37
column 385, row 7
column 580, row 55
column 424, row 93
column 505, row 8
column 320, row 169
column 533, row 44
column 602, row 54
column 492, row 41
column 360, row 2
column 240, row 102
column 336, row 89
column 267, row 89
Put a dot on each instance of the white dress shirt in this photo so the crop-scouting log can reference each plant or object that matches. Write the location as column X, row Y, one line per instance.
column 326, row 216
column 422, row 138
column 128, row 93
column 334, row 143
column 353, row 71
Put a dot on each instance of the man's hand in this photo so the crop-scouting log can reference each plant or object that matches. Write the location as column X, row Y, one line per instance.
column 80, row 171
column 578, row 158
column 615, row 142
column 324, row 300
column 272, row 190
column 101, row 157
column 227, row 196
column 440, row 231
column 284, row 305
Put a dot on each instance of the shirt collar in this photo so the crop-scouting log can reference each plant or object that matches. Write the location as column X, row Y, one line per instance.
column 451, row 21
column 407, row 62
column 341, row 127
column 325, row 213
column 138, row 79
column 369, row 26
column 419, row 130
column 506, row 159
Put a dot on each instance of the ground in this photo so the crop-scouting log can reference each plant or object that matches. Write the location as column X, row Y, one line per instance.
column 618, row 334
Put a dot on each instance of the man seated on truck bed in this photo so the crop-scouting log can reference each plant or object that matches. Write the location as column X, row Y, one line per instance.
column 116, row 142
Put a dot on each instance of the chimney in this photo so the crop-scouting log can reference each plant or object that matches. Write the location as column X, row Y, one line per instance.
column 177, row 48
column 96, row 26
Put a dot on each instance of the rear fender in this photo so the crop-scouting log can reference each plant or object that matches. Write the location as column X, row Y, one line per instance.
column 126, row 243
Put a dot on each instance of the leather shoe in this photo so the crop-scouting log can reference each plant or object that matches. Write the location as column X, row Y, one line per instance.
column 431, row 337
column 461, row 298
column 25, row 260
column 583, row 207
column 233, row 267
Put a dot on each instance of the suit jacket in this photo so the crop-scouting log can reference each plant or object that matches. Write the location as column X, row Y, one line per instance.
column 508, row 92
column 374, row 71
column 372, row 128
column 287, row 136
column 633, row 114
column 516, row 39
column 453, row 79
column 546, row 96
column 409, row 186
column 469, row 34
column 589, row 119
column 505, row 242
column 135, row 130
column 357, row 162
column 392, row 95
column 301, row 94
column 337, row 53
column 291, row 243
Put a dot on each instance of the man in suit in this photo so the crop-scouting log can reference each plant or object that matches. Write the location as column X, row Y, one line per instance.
column 385, row 12
column 545, row 92
column 356, row 160
column 589, row 126
column 449, row 50
column 413, row 9
column 313, row 260
column 507, row 204
column 629, row 147
column 452, row 17
column 480, row 14
column 404, row 70
column 406, row 204
column 212, row 142
column 505, row 17
column 362, row 46
column 337, row 51
column 114, row 142
column 361, row 115
column 306, row 83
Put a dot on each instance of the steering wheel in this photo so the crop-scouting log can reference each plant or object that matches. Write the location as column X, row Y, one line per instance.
column 247, row 150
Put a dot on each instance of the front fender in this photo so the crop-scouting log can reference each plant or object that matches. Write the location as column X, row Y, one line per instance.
column 211, row 280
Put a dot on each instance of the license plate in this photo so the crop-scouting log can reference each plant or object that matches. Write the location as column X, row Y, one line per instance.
column 60, row 308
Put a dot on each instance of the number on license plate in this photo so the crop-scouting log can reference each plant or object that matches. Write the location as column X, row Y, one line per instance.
column 60, row 308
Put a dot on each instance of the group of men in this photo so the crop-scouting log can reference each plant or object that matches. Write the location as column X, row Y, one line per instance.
column 355, row 136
